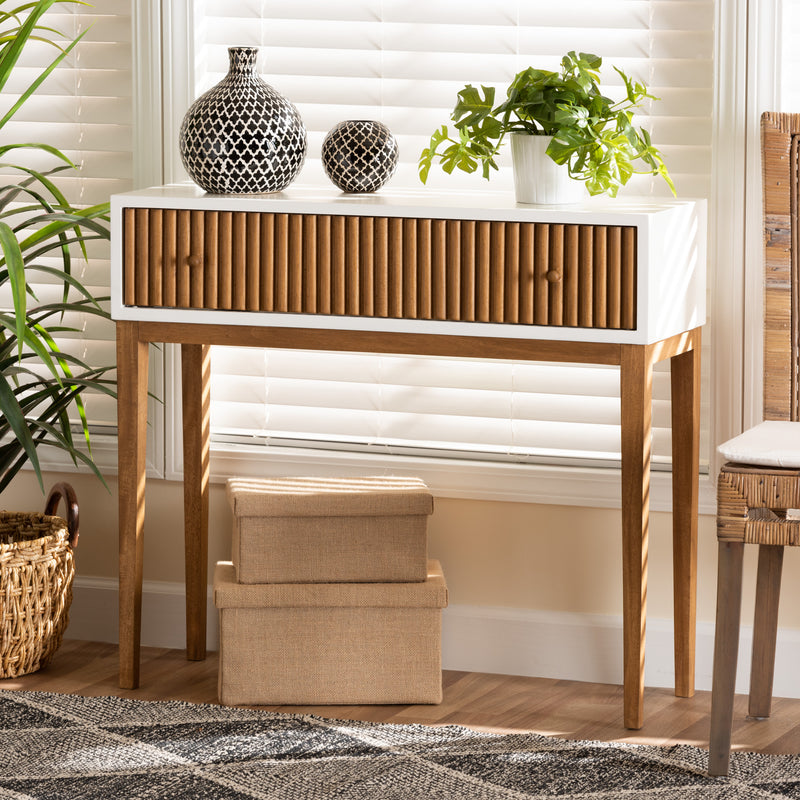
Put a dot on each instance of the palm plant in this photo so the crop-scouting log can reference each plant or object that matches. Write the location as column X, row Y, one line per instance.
column 41, row 385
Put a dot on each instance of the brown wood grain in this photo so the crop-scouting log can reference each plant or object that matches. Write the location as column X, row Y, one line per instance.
column 129, row 233
column 224, row 260
column 395, row 268
column 555, row 277
column 196, row 405
column 325, row 263
column 294, row 265
column 541, row 262
column 281, row 262
column 150, row 287
column 169, row 256
column 424, row 269
column 338, row 265
column 381, row 269
column 497, row 262
column 366, row 255
column 685, row 419
column 142, row 245
column 410, row 309
column 512, row 277
column 527, row 260
column 310, row 256
column 572, row 276
column 132, row 361
column 726, row 650
column 183, row 275
column 636, row 386
column 354, row 266
column 586, row 280
column 438, row 269
column 765, row 629
column 779, row 134
column 453, row 270
column 400, row 268
column 210, row 260
column 482, row 701
column 383, row 342
column 196, row 260
column 252, row 262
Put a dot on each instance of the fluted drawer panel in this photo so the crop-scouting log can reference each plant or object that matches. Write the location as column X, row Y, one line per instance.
column 432, row 269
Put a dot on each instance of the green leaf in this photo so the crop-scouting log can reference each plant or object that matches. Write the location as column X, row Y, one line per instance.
column 37, row 146
column 594, row 136
column 7, row 61
column 12, row 255
column 471, row 108
column 31, row 340
column 15, row 418
column 426, row 157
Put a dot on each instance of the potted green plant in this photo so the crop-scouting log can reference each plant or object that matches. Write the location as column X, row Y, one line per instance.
column 564, row 115
column 40, row 235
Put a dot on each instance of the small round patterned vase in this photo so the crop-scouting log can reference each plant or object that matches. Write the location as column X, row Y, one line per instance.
column 359, row 155
column 242, row 137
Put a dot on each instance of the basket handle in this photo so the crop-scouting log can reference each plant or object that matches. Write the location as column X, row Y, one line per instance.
column 64, row 491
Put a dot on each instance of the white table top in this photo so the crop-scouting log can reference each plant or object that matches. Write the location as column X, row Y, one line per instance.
column 407, row 203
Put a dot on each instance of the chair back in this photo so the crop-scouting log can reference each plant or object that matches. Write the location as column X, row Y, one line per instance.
column 780, row 165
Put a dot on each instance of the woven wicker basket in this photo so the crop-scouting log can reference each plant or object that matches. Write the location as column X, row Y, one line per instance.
column 36, row 572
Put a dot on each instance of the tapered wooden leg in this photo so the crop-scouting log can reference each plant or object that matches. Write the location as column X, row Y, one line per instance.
column 132, row 356
column 195, row 376
column 726, row 648
column 636, row 385
column 685, row 375
column 765, row 629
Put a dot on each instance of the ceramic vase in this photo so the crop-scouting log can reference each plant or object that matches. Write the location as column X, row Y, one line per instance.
column 242, row 136
column 359, row 155
column 537, row 178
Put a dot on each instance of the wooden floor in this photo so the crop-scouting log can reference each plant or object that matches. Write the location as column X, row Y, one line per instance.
column 498, row 703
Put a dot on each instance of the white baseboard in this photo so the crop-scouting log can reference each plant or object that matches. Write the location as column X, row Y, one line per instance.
column 508, row 641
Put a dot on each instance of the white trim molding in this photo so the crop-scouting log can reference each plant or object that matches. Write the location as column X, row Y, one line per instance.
column 498, row 640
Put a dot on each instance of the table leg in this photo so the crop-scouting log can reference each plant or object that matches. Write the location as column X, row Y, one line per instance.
column 195, row 378
column 685, row 376
column 132, row 356
column 636, row 390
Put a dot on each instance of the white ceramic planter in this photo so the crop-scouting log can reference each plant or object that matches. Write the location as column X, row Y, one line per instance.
column 537, row 178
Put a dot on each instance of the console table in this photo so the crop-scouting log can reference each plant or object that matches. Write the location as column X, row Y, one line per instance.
column 607, row 282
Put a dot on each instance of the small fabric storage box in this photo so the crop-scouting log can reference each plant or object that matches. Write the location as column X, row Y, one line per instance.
column 329, row 643
column 324, row 530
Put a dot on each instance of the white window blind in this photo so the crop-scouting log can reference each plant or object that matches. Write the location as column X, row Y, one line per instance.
column 83, row 109
column 403, row 62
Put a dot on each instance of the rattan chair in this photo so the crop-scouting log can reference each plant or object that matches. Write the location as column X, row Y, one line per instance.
column 759, row 487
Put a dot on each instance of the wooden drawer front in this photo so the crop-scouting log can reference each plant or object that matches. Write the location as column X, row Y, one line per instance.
column 471, row 271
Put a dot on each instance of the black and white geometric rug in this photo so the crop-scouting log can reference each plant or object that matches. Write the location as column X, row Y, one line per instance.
column 65, row 747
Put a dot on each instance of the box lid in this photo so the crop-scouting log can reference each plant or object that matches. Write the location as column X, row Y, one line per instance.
column 431, row 593
column 328, row 497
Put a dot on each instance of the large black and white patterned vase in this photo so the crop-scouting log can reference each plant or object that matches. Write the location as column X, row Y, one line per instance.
column 359, row 155
column 242, row 136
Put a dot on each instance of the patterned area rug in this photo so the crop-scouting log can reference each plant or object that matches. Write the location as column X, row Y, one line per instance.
column 54, row 747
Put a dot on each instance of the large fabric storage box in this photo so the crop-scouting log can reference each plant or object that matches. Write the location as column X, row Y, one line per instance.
column 329, row 643
column 324, row 530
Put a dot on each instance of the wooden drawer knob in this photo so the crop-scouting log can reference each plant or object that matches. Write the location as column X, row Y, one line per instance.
column 553, row 276
column 194, row 261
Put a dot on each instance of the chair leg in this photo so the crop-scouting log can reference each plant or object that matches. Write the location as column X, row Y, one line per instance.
column 765, row 629
column 726, row 647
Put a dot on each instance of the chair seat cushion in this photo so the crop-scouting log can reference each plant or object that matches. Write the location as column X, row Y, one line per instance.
column 773, row 443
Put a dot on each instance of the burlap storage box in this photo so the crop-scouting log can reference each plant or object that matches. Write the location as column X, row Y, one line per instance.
column 323, row 530
column 329, row 643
